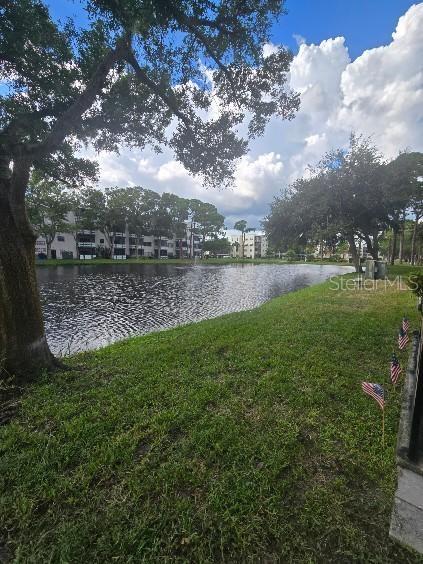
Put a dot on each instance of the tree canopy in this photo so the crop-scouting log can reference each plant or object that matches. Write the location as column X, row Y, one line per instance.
column 48, row 204
column 143, row 211
column 140, row 73
column 351, row 194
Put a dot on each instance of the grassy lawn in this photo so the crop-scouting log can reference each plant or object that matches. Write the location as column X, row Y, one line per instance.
column 242, row 438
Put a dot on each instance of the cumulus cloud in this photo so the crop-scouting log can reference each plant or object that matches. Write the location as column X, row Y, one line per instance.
column 383, row 88
column 380, row 94
column 299, row 39
column 269, row 49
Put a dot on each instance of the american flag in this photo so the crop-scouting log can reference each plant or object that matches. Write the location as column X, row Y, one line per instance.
column 405, row 324
column 395, row 369
column 402, row 338
column 375, row 391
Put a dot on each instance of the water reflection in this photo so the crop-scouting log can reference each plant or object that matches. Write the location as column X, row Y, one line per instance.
column 87, row 307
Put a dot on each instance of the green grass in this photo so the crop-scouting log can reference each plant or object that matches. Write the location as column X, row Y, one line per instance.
column 403, row 270
column 100, row 261
column 245, row 438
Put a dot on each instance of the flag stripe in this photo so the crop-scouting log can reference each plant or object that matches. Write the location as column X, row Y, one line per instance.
column 395, row 369
column 375, row 391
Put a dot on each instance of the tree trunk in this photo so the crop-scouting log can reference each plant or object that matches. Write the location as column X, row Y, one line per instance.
column 23, row 345
column 354, row 254
column 75, row 236
column 376, row 244
column 413, row 240
column 394, row 244
column 372, row 246
column 401, row 246
column 389, row 250
column 401, row 242
column 48, row 245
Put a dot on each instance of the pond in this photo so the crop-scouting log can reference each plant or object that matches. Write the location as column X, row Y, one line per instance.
column 87, row 307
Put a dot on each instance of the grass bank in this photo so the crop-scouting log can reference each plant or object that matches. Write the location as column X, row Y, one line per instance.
column 242, row 438
column 94, row 262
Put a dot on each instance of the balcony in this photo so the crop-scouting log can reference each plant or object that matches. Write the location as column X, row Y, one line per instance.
column 86, row 232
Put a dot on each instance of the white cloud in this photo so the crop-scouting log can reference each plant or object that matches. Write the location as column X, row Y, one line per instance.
column 383, row 88
column 145, row 165
column 253, row 177
column 171, row 170
column 379, row 94
column 299, row 39
column 269, row 49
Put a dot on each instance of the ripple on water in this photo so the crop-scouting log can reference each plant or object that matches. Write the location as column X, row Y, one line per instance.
column 86, row 307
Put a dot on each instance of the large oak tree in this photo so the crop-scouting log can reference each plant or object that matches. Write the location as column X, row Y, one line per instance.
column 133, row 75
column 350, row 195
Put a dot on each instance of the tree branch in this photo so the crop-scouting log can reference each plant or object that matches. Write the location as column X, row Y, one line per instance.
column 213, row 24
column 66, row 123
column 199, row 35
column 168, row 98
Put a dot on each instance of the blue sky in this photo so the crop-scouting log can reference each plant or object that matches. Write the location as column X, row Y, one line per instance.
column 364, row 23
column 346, row 82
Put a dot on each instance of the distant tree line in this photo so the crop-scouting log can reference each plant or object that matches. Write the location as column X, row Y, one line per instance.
column 143, row 211
column 353, row 197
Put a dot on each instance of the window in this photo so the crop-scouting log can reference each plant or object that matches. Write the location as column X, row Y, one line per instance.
column 60, row 237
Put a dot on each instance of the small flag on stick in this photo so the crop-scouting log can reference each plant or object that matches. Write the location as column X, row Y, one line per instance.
column 378, row 393
column 405, row 324
column 375, row 391
column 395, row 369
column 402, row 339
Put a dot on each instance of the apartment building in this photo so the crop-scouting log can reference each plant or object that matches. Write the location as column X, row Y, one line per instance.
column 88, row 244
column 255, row 246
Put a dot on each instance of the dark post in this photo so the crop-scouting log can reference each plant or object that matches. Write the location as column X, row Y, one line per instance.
column 416, row 431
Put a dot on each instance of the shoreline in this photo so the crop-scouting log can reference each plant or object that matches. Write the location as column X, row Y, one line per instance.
column 102, row 262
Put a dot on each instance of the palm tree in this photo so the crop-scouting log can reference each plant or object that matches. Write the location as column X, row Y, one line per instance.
column 241, row 225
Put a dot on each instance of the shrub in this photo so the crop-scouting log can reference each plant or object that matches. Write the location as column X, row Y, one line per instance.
column 415, row 283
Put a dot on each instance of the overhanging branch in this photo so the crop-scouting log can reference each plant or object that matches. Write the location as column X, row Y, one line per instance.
column 167, row 97
column 199, row 35
column 66, row 123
